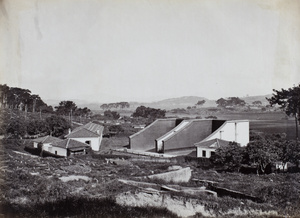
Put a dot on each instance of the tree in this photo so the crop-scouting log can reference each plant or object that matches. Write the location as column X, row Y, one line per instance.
column 231, row 101
column 35, row 127
column 57, row 125
column 289, row 152
column 289, row 101
column 200, row 103
column 230, row 156
column 65, row 108
column 111, row 114
column 16, row 127
column 257, row 103
column 148, row 112
column 221, row 102
column 262, row 153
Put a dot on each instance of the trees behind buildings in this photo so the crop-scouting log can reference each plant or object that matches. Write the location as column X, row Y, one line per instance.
column 21, row 99
column 289, row 101
column 148, row 112
column 117, row 105
column 262, row 152
column 230, row 102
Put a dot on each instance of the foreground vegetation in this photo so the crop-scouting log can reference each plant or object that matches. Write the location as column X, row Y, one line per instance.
column 33, row 185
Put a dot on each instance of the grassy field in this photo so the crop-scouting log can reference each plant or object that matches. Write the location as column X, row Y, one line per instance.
column 33, row 185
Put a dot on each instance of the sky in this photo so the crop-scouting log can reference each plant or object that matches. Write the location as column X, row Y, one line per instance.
column 147, row 50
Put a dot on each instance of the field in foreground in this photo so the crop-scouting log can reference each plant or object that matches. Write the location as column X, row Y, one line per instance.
column 90, row 186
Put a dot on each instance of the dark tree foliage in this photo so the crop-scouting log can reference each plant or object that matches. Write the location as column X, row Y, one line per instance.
column 117, row 105
column 83, row 112
column 257, row 103
column 116, row 128
column 262, row 153
column 200, row 103
column 289, row 101
column 16, row 128
column 148, row 112
column 18, row 98
column 111, row 115
column 230, row 156
column 35, row 127
column 57, row 125
column 231, row 101
column 66, row 108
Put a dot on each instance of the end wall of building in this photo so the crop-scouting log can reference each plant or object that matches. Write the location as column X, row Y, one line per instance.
column 237, row 131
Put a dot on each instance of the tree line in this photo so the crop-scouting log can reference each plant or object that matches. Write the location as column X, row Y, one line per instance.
column 117, row 105
column 262, row 152
column 22, row 99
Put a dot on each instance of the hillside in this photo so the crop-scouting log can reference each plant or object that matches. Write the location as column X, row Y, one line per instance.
column 167, row 104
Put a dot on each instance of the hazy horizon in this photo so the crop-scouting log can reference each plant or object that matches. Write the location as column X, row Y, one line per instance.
column 145, row 51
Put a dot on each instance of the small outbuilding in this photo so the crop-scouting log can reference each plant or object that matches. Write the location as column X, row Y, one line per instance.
column 207, row 149
column 44, row 143
column 69, row 147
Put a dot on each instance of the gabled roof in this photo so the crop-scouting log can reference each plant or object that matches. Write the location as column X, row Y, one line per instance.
column 47, row 139
column 212, row 144
column 93, row 127
column 69, row 144
column 82, row 133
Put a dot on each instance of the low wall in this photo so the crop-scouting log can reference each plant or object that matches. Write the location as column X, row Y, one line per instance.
column 178, row 176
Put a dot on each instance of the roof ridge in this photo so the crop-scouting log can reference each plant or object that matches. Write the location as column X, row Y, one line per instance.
column 45, row 139
column 68, row 143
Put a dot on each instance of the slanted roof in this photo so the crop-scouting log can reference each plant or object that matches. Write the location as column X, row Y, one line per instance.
column 82, row 133
column 212, row 144
column 93, row 127
column 47, row 139
column 69, row 144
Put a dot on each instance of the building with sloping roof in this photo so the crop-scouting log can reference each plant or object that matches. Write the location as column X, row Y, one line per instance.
column 172, row 135
column 144, row 140
column 44, row 143
column 68, row 147
column 207, row 149
column 90, row 134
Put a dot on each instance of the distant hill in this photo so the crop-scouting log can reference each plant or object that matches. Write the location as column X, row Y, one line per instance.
column 262, row 98
column 172, row 103
column 166, row 104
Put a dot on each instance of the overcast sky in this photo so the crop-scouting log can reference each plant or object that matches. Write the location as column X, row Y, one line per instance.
column 146, row 50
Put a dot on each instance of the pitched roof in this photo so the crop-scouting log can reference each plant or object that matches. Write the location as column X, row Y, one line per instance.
column 213, row 144
column 69, row 144
column 93, row 127
column 82, row 133
column 47, row 139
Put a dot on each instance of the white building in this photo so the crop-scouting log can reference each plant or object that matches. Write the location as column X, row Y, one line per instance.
column 90, row 133
column 231, row 131
column 44, row 143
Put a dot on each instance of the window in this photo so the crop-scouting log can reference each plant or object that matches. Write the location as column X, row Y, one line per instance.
column 203, row 153
column 212, row 153
column 88, row 142
column 55, row 152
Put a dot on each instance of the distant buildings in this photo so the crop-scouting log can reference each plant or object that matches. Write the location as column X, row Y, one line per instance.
column 205, row 136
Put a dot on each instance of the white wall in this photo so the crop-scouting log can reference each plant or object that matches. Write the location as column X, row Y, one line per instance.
column 95, row 142
column 59, row 151
column 208, row 152
column 237, row 131
column 35, row 144
column 46, row 147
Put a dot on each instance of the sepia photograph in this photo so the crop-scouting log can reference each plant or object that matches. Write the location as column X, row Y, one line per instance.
column 149, row 108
